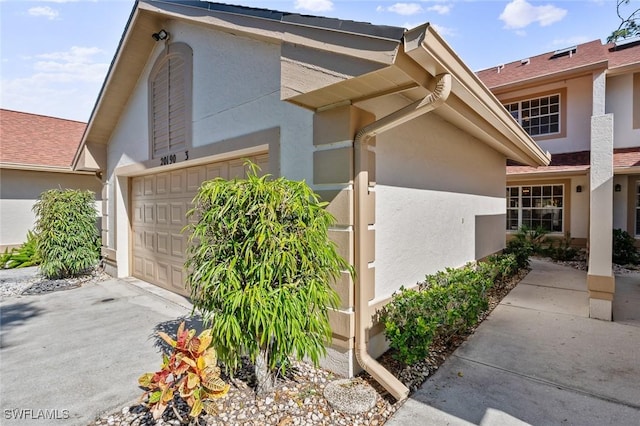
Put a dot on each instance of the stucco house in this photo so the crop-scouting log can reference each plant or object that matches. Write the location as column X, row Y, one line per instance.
column 387, row 124
column 36, row 152
column 582, row 104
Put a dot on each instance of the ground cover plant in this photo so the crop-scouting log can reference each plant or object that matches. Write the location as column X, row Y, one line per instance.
column 67, row 237
column 24, row 256
column 260, row 264
column 624, row 249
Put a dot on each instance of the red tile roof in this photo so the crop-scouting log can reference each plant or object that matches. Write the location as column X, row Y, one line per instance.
column 586, row 54
column 578, row 161
column 31, row 139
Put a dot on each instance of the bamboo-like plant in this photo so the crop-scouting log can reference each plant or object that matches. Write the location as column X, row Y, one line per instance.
column 68, row 241
column 260, row 266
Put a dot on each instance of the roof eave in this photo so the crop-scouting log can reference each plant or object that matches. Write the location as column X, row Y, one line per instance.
column 435, row 55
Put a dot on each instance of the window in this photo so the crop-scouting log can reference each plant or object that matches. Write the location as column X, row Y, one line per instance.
column 535, row 206
column 538, row 116
column 170, row 84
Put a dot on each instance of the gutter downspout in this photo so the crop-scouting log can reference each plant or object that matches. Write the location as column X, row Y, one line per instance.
column 361, row 198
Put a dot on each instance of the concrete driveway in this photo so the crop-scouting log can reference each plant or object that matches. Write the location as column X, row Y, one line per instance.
column 66, row 357
column 539, row 360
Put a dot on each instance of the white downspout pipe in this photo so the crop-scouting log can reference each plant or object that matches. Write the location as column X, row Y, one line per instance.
column 361, row 191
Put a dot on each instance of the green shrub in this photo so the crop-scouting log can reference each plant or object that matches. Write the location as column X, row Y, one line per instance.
column 260, row 264
column 68, row 241
column 499, row 268
column 446, row 304
column 521, row 249
column 535, row 237
column 561, row 249
column 23, row 256
column 624, row 249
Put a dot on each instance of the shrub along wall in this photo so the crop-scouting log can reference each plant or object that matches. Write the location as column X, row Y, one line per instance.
column 446, row 304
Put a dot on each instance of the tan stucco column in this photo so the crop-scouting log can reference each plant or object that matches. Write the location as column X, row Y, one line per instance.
column 333, row 133
column 600, row 278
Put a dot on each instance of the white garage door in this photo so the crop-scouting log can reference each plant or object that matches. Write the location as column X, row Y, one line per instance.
column 159, row 205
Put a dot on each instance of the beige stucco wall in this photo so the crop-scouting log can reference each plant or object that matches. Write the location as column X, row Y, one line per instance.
column 236, row 83
column 433, row 182
column 619, row 102
column 579, row 207
column 579, row 109
column 20, row 189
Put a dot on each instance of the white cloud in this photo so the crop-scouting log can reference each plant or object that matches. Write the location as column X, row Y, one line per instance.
column 441, row 9
column 521, row 33
column 405, row 9
column 45, row 11
column 520, row 14
column 314, row 5
column 57, row 77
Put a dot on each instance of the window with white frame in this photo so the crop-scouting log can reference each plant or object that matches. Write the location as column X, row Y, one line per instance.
column 537, row 116
column 536, row 206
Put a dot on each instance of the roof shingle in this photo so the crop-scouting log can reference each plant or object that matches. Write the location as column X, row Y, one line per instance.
column 31, row 139
column 547, row 64
column 578, row 161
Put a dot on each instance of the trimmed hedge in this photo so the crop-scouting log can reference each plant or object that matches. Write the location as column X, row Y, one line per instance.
column 446, row 304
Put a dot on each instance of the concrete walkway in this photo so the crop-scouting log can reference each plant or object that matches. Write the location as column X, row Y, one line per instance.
column 538, row 359
column 78, row 353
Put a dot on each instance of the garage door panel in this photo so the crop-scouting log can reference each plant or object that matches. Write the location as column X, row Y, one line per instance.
column 149, row 269
column 162, row 184
column 137, row 215
column 178, row 245
column 137, row 266
column 163, row 242
column 213, row 171
column 163, row 273
column 178, row 181
column 162, row 214
column 149, row 186
column 159, row 206
column 137, row 187
column 195, row 176
column 149, row 240
column 149, row 213
column 178, row 213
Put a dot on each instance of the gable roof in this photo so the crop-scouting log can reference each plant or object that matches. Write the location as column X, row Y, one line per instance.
column 38, row 140
column 366, row 61
column 583, row 57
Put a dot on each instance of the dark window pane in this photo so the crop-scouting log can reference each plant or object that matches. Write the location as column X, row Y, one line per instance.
column 554, row 99
column 553, row 128
column 546, row 191
column 536, row 191
column 557, row 190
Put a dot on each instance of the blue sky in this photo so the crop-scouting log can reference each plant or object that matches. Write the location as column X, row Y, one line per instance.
column 55, row 54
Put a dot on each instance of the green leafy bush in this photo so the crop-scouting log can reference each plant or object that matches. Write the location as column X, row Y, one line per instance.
column 24, row 256
column 624, row 249
column 260, row 264
column 561, row 249
column 499, row 268
column 444, row 305
column 522, row 249
column 68, row 241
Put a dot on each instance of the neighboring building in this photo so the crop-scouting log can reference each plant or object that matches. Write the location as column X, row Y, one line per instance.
column 36, row 152
column 582, row 104
column 388, row 125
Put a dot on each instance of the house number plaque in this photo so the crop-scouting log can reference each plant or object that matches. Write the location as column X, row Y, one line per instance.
column 172, row 158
